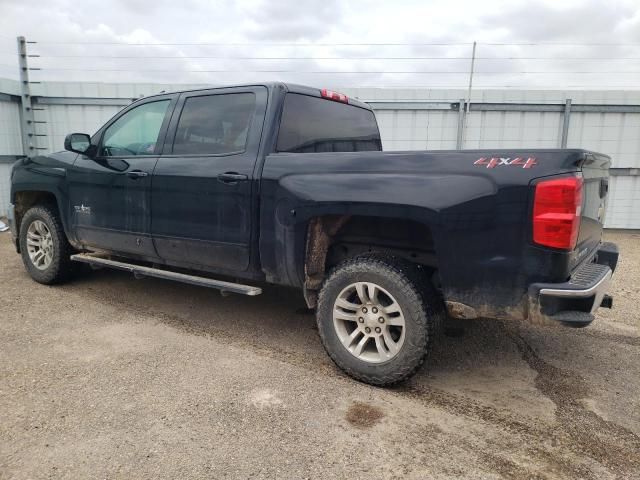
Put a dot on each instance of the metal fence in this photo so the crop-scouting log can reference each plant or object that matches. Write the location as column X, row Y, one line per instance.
column 35, row 117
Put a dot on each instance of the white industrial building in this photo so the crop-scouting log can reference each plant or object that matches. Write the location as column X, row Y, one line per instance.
column 410, row 119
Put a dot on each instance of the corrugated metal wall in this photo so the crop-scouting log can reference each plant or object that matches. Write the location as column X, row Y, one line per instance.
column 5, row 170
column 623, row 208
column 64, row 119
column 616, row 134
column 10, row 140
column 513, row 129
column 417, row 130
column 10, row 143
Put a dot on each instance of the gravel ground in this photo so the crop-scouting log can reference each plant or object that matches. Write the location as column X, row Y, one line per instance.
column 111, row 377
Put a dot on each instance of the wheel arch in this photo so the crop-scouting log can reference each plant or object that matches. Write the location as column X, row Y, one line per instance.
column 333, row 238
column 25, row 199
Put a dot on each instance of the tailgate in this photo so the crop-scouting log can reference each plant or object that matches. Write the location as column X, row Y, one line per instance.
column 595, row 173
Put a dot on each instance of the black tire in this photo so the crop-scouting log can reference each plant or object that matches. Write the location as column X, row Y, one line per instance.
column 412, row 290
column 60, row 268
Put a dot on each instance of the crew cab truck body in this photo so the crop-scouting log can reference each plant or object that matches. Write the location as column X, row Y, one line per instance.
column 288, row 185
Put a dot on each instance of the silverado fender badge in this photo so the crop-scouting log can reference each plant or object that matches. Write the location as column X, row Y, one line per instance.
column 494, row 162
column 82, row 209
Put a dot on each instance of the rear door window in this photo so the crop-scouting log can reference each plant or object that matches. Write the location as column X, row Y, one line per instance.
column 214, row 124
column 313, row 124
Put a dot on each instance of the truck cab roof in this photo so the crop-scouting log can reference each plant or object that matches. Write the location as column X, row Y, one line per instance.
column 285, row 87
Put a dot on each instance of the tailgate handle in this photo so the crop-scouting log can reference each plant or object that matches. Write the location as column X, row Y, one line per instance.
column 231, row 178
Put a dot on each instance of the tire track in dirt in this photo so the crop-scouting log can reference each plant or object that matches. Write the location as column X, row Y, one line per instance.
column 616, row 338
column 582, row 430
column 533, row 435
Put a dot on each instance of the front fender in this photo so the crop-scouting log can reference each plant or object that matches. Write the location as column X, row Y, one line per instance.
column 46, row 174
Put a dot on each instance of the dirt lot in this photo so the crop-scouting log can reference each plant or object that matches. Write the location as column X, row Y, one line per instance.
column 111, row 377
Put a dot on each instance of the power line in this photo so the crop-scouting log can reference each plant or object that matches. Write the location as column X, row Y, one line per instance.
column 285, row 44
column 477, row 87
column 567, row 44
column 180, row 57
column 523, row 87
column 246, row 71
column 330, row 44
column 507, row 74
column 429, row 72
column 562, row 87
column 558, row 58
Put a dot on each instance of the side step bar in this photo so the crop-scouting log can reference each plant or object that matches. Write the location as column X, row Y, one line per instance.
column 141, row 271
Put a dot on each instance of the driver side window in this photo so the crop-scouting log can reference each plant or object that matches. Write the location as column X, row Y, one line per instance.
column 136, row 132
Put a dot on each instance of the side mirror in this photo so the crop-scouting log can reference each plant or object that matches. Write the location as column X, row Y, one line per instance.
column 77, row 143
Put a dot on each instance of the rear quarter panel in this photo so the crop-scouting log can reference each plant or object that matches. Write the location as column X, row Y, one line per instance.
column 479, row 216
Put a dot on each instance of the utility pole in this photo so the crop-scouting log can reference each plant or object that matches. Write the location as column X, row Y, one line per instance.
column 468, row 102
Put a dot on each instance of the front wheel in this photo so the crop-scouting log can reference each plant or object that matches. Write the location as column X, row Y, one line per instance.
column 376, row 316
column 44, row 246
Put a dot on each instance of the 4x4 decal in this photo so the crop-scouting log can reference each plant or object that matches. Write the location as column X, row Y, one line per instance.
column 500, row 161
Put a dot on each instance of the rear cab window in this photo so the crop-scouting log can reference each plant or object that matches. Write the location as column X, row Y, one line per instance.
column 315, row 124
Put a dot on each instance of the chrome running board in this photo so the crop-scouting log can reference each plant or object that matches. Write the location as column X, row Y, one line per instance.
column 142, row 271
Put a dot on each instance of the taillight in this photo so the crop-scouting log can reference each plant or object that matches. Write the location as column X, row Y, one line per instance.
column 331, row 95
column 556, row 212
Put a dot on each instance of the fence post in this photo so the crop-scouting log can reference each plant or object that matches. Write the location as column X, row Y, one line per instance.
column 27, row 119
column 565, row 123
column 461, row 122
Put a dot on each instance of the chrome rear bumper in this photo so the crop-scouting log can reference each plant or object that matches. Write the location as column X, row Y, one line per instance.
column 575, row 302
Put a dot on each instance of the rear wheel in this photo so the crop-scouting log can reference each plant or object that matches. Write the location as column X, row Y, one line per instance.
column 376, row 317
column 44, row 246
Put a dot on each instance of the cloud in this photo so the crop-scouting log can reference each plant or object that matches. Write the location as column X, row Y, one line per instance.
column 334, row 39
column 588, row 21
column 291, row 21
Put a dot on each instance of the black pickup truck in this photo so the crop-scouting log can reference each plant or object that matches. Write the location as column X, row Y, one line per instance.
column 288, row 185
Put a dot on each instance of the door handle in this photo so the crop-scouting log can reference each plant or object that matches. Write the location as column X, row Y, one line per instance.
column 135, row 174
column 231, row 178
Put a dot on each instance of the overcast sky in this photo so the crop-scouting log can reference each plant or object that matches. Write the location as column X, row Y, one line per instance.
column 90, row 40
